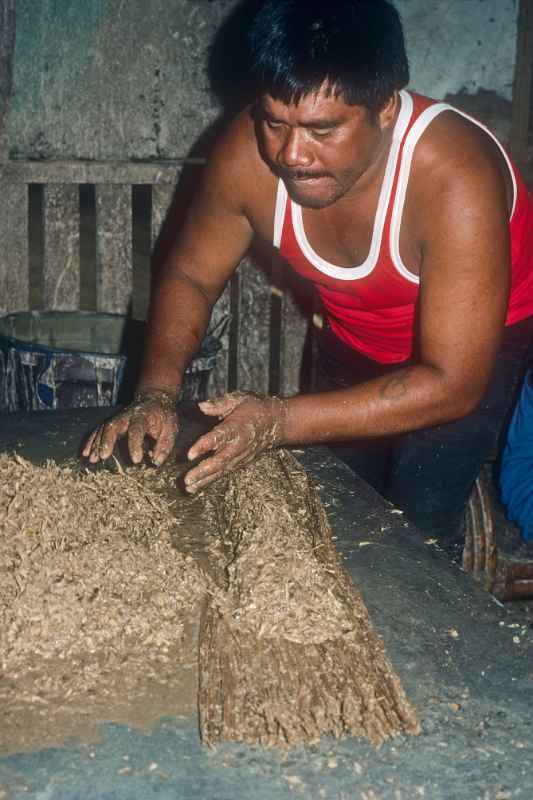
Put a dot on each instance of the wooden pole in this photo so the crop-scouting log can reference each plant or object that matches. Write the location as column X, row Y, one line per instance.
column 523, row 80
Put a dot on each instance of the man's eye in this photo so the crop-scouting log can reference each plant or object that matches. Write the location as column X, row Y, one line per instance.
column 321, row 134
column 272, row 124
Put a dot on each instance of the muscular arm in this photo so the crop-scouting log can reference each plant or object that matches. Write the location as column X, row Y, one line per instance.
column 211, row 244
column 465, row 256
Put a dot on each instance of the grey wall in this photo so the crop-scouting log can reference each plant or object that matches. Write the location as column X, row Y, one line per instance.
column 461, row 45
column 464, row 51
column 111, row 78
column 7, row 41
column 127, row 79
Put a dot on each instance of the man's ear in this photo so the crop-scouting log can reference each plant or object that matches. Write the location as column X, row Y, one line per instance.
column 387, row 115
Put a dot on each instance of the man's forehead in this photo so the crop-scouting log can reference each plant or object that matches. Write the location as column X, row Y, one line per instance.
column 314, row 105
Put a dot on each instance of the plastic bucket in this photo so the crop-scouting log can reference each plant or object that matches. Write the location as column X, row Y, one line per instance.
column 63, row 359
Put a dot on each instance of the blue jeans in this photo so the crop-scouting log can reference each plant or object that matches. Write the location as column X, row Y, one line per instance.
column 429, row 473
column 516, row 469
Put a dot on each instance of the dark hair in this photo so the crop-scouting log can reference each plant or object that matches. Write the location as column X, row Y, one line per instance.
column 355, row 46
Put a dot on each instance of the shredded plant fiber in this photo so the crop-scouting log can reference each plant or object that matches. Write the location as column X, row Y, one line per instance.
column 95, row 602
column 287, row 650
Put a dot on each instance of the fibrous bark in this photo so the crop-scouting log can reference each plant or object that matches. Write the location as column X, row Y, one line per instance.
column 287, row 650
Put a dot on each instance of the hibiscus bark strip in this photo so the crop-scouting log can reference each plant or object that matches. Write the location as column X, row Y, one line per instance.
column 287, row 650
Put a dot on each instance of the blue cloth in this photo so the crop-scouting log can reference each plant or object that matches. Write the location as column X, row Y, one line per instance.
column 516, row 474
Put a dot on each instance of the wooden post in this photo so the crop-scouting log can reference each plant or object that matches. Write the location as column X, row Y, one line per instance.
column 62, row 247
column 253, row 343
column 523, row 81
column 14, row 264
column 113, row 248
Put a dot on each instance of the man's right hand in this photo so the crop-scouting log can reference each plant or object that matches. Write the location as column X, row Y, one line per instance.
column 152, row 413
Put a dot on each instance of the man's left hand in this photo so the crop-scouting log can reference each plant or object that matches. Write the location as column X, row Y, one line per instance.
column 250, row 425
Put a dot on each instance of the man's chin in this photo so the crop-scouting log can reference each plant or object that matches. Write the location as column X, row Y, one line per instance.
column 311, row 194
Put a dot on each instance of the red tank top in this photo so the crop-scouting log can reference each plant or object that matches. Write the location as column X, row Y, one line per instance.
column 371, row 307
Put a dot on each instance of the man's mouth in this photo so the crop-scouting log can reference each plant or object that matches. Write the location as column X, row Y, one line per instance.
column 302, row 177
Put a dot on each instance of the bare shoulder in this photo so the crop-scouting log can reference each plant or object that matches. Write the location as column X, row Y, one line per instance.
column 457, row 160
column 235, row 170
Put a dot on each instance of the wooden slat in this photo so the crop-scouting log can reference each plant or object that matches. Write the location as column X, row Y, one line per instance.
column 218, row 383
column 293, row 332
column 14, row 264
column 254, row 329
column 523, row 82
column 113, row 248
column 161, row 198
column 61, row 248
column 293, row 326
column 108, row 172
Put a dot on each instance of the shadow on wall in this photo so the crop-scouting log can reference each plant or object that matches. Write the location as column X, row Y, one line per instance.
column 230, row 83
column 229, row 62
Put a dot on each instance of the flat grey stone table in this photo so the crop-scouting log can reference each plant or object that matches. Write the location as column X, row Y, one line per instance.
column 464, row 660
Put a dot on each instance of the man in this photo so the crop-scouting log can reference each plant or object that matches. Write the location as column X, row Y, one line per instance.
column 398, row 209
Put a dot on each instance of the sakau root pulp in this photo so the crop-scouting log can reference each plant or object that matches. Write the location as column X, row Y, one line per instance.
column 95, row 603
column 102, row 576
column 287, row 650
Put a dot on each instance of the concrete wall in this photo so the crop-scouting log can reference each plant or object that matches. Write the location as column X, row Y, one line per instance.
column 464, row 51
column 7, row 41
column 461, row 45
column 128, row 79
column 104, row 79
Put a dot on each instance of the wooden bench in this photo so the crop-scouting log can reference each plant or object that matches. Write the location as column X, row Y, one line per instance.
column 78, row 235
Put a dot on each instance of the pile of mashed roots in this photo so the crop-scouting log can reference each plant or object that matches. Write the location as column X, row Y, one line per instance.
column 102, row 580
column 97, row 606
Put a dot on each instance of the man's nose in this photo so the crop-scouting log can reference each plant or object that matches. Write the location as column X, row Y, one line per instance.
column 295, row 151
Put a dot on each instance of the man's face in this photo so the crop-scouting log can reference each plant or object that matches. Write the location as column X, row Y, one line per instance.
column 320, row 147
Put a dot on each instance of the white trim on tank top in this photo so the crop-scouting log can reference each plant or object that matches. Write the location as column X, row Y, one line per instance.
column 411, row 140
column 279, row 216
column 364, row 269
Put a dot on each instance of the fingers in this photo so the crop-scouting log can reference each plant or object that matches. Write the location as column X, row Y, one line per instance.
column 231, row 447
column 213, row 468
column 136, row 434
column 89, row 443
column 101, row 442
column 214, row 440
column 158, row 424
column 196, row 485
column 164, row 444
column 222, row 406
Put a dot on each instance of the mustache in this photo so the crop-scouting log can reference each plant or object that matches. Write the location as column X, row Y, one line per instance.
column 299, row 174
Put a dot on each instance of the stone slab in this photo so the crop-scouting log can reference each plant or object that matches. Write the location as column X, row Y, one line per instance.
column 464, row 659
